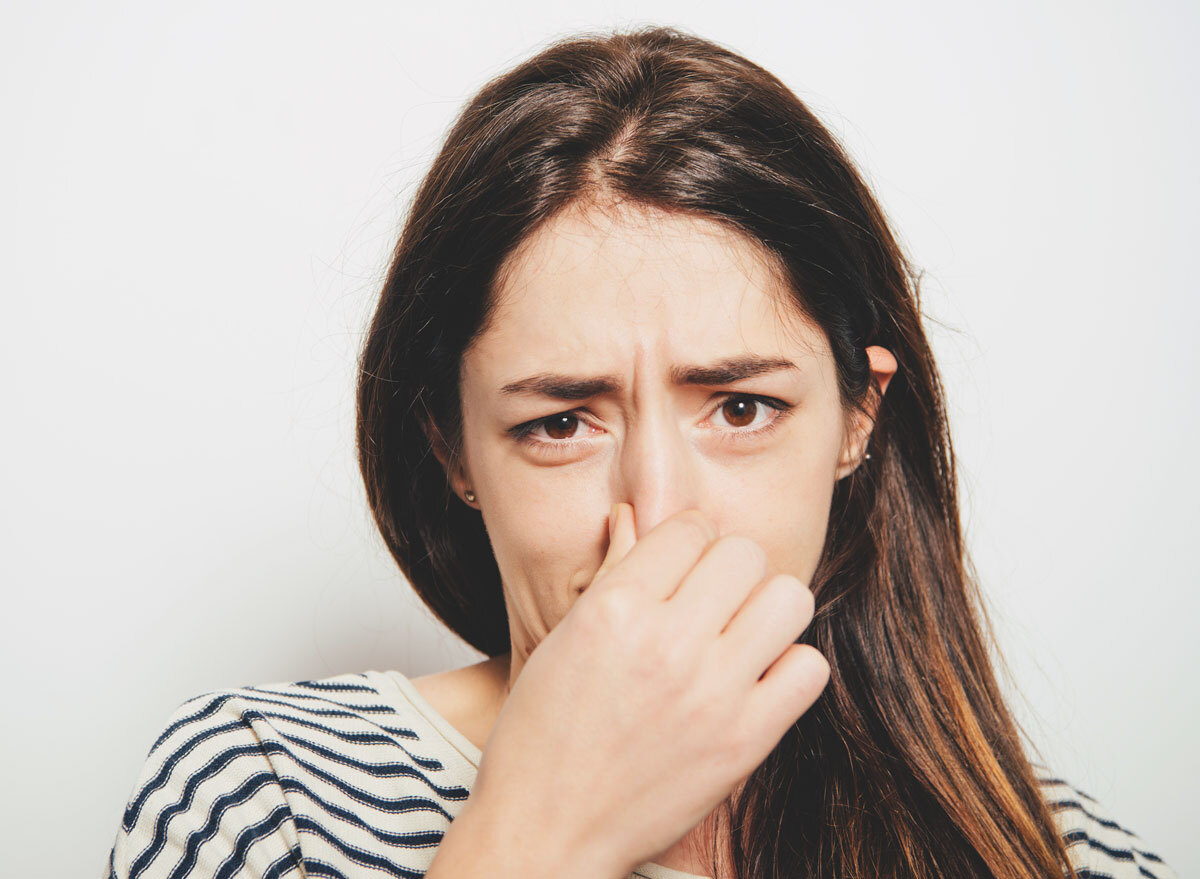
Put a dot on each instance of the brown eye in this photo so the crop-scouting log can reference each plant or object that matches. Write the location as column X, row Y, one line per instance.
column 740, row 411
column 561, row 426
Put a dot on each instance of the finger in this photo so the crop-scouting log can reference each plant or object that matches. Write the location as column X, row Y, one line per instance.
column 624, row 532
column 731, row 570
column 622, row 535
column 767, row 625
column 658, row 562
column 788, row 689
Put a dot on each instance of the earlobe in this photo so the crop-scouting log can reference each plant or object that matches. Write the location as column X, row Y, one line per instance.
column 455, row 479
column 459, row 483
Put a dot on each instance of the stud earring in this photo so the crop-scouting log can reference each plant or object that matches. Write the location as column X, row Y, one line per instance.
column 470, row 496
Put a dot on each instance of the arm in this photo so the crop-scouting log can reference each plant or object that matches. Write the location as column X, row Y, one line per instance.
column 207, row 799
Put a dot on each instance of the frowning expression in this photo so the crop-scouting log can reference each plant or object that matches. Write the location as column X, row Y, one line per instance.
column 652, row 358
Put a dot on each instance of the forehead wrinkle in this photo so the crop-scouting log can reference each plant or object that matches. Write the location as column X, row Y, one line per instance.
column 753, row 258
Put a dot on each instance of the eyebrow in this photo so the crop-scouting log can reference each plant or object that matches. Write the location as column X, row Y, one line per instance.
column 723, row 372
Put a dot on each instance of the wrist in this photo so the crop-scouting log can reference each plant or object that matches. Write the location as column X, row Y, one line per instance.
column 511, row 841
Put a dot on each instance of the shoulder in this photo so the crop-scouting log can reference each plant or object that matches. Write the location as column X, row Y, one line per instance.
column 241, row 777
column 333, row 702
column 273, row 718
column 1097, row 844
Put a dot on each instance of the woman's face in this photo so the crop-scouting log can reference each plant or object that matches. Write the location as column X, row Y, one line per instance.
column 648, row 358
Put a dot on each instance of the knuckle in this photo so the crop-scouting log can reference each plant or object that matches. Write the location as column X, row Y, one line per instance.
column 697, row 526
column 667, row 655
column 795, row 599
column 749, row 555
column 804, row 598
column 610, row 611
column 812, row 669
column 821, row 663
column 811, row 659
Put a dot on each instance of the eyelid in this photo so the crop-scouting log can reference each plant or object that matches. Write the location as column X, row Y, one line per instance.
column 523, row 431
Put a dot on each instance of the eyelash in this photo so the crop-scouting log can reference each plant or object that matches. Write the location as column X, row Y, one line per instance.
column 523, row 432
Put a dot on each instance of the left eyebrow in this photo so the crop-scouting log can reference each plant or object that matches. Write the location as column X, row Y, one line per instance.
column 723, row 372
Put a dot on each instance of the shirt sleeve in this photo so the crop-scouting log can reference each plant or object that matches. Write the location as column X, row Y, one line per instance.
column 1099, row 847
column 208, row 801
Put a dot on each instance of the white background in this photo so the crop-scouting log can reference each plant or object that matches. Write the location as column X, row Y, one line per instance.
column 198, row 203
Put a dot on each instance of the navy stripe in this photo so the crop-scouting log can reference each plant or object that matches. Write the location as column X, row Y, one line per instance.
column 219, row 762
column 168, row 765
column 305, row 824
column 258, row 698
column 1080, row 835
column 1077, row 806
column 290, row 766
column 215, row 704
column 134, row 809
column 184, row 803
column 1117, row 854
column 1089, row 873
column 250, row 835
column 314, row 867
column 409, row 839
column 391, row 769
column 365, row 709
column 365, row 738
column 336, row 686
column 216, row 812
column 386, row 769
column 403, row 732
column 455, row 792
column 207, row 711
column 387, row 805
column 284, row 864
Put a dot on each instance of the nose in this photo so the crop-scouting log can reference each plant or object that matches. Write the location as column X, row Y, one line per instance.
column 655, row 470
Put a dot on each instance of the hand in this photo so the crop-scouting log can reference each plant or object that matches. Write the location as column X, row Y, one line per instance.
column 670, row 680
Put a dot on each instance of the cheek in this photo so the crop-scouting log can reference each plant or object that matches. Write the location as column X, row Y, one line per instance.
column 542, row 540
column 787, row 513
column 790, row 528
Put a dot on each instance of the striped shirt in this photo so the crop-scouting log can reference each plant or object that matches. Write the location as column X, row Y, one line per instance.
column 359, row 773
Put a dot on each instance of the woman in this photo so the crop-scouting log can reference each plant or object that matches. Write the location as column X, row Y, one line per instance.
column 647, row 416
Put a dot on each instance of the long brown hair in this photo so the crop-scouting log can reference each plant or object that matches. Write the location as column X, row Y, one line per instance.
column 909, row 764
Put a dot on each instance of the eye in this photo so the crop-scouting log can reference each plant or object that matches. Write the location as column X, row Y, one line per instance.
column 561, row 426
column 558, row 431
column 739, row 412
column 748, row 416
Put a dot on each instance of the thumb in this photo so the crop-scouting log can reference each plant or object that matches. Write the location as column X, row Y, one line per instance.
column 622, row 535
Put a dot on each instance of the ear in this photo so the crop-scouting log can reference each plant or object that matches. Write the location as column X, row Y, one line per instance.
column 854, row 445
column 458, row 479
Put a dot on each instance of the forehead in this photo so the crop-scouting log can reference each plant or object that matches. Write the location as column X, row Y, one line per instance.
column 597, row 282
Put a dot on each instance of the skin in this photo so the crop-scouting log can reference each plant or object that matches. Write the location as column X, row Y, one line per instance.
column 630, row 292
